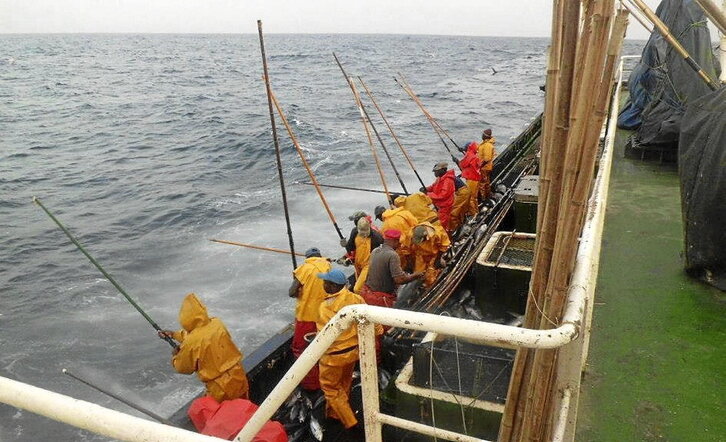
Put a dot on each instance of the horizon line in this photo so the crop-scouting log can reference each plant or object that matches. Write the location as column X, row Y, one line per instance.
column 272, row 33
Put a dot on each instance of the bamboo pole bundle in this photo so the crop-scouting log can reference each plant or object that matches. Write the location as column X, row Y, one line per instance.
column 529, row 411
column 580, row 152
column 556, row 126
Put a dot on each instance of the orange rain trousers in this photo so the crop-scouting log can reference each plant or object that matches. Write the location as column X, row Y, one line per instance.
column 336, row 377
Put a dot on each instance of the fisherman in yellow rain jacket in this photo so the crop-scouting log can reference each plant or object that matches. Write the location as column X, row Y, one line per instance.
column 336, row 365
column 486, row 155
column 308, row 289
column 364, row 240
column 397, row 219
column 419, row 204
column 425, row 246
column 207, row 349
column 462, row 197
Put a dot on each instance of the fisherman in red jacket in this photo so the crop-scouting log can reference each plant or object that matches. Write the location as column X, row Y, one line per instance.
column 441, row 192
column 470, row 167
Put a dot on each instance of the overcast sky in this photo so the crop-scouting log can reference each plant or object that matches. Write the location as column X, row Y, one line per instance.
column 526, row 18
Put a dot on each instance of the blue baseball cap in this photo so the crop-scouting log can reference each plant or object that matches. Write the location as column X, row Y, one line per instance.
column 335, row 276
column 312, row 251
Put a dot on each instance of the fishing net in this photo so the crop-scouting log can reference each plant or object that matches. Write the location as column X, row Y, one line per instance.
column 662, row 85
column 476, row 371
column 701, row 161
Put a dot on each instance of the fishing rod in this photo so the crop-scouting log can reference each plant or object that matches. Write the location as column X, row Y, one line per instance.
column 305, row 163
column 428, row 117
column 385, row 120
column 373, row 126
column 277, row 145
column 665, row 32
column 365, row 126
column 139, row 408
column 252, row 246
column 168, row 339
column 359, row 189
column 268, row 249
column 428, row 114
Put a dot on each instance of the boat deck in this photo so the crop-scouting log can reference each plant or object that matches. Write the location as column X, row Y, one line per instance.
column 656, row 362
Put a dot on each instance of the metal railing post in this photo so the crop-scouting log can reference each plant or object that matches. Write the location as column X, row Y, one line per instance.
column 369, row 380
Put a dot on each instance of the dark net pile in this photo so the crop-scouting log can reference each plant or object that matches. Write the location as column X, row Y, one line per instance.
column 662, row 85
column 702, row 169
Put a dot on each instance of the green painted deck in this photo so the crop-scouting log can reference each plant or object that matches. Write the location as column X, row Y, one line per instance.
column 657, row 361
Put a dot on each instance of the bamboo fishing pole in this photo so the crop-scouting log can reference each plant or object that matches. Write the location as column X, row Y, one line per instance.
column 426, row 114
column 365, row 126
column 136, row 407
column 277, row 146
column 385, row 149
column 648, row 27
column 717, row 16
column 252, row 246
column 365, row 117
column 109, row 277
column 434, row 122
column 359, row 189
column 305, row 163
column 393, row 133
column 370, row 143
column 665, row 32
column 441, row 128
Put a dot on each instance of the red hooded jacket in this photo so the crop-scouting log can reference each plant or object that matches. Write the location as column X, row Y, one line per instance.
column 471, row 164
column 442, row 190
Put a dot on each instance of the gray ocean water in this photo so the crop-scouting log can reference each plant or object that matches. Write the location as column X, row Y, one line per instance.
column 145, row 146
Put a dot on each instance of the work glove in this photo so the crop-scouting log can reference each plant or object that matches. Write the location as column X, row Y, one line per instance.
column 343, row 242
column 344, row 261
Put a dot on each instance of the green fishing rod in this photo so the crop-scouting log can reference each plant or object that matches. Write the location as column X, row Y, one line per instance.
column 168, row 339
column 139, row 408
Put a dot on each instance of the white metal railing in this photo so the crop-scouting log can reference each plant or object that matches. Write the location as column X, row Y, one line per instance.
column 576, row 319
column 92, row 417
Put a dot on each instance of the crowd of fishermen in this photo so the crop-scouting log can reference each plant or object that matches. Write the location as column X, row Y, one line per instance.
column 410, row 244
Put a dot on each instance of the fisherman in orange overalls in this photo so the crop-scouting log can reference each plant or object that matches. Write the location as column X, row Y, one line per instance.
column 425, row 245
column 338, row 362
column 308, row 289
column 486, row 154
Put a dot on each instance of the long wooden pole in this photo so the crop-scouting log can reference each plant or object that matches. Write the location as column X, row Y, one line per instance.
column 359, row 189
column 366, row 118
column 252, row 246
column 385, row 149
column 648, row 26
column 428, row 114
column 277, row 146
column 390, row 129
column 110, row 278
column 136, row 407
column 666, row 33
column 717, row 16
column 305, row 163
column 368, row 133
